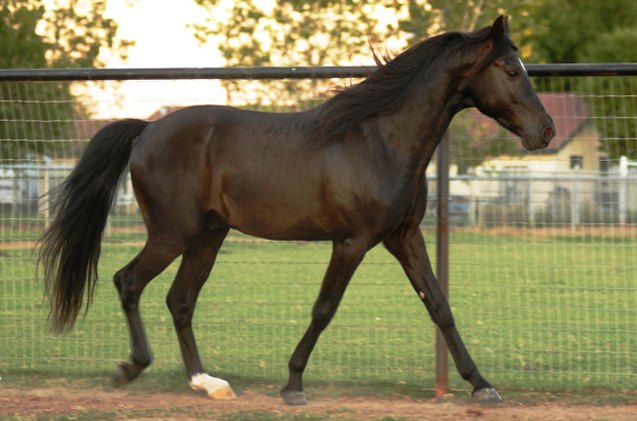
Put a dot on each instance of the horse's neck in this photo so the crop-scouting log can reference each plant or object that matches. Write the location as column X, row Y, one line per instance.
column 416, row 130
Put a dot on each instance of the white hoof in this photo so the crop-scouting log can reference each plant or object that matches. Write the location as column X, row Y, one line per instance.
column 217, row 389
column 487, row 395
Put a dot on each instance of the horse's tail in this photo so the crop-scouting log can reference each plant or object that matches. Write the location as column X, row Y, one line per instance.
column 70, row 247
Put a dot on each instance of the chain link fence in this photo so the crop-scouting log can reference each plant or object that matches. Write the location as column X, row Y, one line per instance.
column 542, row 253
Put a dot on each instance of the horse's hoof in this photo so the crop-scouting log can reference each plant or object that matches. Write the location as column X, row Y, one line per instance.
column 120, row 376
column 222, row 393
column 294, row 397
column 486, row 395
column 217, row 389
column 125, row 373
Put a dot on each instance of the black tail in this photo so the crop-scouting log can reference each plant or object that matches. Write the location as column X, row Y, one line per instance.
column 70, row 248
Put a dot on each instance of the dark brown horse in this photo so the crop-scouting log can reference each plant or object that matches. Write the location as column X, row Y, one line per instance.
column 350, row 171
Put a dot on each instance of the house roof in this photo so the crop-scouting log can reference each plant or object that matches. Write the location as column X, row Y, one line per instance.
column 569, row 114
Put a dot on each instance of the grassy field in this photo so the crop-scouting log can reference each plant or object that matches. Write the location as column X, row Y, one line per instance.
column 538, row 312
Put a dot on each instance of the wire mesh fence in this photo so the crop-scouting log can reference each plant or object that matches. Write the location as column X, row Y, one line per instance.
column 543, row 251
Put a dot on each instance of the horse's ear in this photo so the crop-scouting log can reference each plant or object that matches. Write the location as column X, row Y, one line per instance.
column 500, row 28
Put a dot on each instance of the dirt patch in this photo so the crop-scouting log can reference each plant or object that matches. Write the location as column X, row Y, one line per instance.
column 118, row 404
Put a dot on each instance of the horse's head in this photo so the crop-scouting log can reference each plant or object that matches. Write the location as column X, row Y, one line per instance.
column 500, row 88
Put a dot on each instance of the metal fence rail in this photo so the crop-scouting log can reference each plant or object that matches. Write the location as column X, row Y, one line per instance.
column 541, row 260
column 301, row 72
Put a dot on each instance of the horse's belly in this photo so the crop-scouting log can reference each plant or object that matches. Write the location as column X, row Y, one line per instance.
column 285, row 215
column 280, row 222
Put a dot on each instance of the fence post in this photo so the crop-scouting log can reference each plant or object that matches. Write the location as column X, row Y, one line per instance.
column 623, row 189
column 442, row 257
column 15, row 202
column 575, row 200
column 529, row 205
column 44, row 198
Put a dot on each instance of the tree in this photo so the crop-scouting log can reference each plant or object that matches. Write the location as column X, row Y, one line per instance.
column 78, row 31
column 38, row 116
column 609, row 35
column 430, row 17
column 329, row 32
column 20, row 45
column 564, row 30
column 294, row 33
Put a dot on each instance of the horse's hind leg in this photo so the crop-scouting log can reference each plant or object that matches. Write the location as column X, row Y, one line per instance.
column 130, row 282
column 196, row 264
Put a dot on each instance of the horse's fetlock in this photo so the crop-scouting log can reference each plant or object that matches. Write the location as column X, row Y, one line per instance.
column 295, row 365
column 468, row 373
column 142, row 362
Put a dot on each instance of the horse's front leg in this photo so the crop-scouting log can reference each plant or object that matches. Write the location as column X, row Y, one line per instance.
column 346, row 256
column 408, row 246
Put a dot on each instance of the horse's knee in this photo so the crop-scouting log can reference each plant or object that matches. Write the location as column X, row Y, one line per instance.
column 442, row 316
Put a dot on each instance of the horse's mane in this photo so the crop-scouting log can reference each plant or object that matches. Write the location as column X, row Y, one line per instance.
column 387, row 88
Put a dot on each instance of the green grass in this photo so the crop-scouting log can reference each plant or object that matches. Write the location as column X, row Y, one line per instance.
column 537, row 313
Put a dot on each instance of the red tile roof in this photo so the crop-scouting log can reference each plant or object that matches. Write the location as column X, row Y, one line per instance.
column 569, row 114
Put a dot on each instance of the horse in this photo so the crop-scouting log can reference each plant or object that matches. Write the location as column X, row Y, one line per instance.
column 350, row 171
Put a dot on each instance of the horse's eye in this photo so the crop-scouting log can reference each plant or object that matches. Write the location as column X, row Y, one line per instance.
column 514, row 72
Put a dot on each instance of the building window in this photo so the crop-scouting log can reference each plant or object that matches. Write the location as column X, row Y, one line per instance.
column 577, row 161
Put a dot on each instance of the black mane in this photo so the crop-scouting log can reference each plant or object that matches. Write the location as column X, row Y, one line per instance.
column 387, row 88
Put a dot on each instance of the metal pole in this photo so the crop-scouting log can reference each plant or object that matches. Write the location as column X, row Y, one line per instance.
column 442, row 258
column 623, row 189
column 299, row 72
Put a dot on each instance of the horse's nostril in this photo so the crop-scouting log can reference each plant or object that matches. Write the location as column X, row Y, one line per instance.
column 548, row 133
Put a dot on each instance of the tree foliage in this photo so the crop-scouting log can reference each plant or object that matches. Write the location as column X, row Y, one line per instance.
column 595, row 31
column 329, row 32
column 564, row 31
column 20, row 45
column 38, row 116
column 293, row 33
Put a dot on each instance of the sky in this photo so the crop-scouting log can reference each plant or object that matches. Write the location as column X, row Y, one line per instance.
column 162, row 39
column 158, row 28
